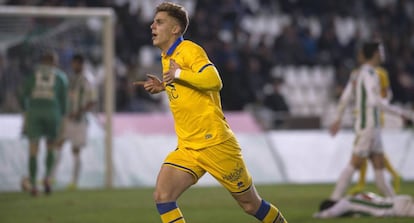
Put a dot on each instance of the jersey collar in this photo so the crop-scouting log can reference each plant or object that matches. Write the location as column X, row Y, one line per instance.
column 170, row 51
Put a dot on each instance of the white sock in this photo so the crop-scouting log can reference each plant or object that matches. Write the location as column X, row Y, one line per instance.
column 76, row 168
column 382, row 184
column 342, row 182
column 58, row 155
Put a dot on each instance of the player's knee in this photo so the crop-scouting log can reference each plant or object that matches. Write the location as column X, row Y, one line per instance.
column 160, row 196
column 249, row 207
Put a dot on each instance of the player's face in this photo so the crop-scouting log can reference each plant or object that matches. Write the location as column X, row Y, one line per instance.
column 76, row 66
column 164, row 30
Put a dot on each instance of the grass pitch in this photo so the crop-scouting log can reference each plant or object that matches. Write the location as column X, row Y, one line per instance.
column 199, row 205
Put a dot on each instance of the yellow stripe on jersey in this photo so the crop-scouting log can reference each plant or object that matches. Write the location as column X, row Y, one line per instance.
column 194, row 97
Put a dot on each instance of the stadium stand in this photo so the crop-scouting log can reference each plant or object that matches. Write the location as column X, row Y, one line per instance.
column 311, row 44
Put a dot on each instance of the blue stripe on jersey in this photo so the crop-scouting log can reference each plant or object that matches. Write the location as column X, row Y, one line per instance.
column 263, row 210
column 166, row 207
column 204, row 67
column 175, row 44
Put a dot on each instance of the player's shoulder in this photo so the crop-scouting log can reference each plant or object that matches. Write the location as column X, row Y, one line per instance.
column 368, row 70
column 191, row 46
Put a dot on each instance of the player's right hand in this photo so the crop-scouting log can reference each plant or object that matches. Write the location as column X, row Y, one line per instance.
column 334, row 128
column 153, row 85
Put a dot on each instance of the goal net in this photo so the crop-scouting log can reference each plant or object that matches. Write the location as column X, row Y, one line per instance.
column 26, row 32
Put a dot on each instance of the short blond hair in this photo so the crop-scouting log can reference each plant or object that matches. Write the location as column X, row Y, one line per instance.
column 176, row 11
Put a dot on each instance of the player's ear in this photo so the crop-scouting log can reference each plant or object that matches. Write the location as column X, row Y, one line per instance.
column 176, row 29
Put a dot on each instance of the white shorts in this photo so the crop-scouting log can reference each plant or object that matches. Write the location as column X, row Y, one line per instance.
column 75, row 132
column 367, row 142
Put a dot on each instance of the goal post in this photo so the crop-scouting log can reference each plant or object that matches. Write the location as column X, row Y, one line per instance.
column 107, row 15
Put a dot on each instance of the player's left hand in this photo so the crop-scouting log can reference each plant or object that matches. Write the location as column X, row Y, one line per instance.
column 169, row 76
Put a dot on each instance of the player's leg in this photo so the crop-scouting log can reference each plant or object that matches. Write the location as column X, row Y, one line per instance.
column 171, row 183
column 346, row 176
column 253, row 204
column 58, row 157
column 34, row 133
column 76, row 132
column 76, row 168
column 52, row 123
column 34, row 148
column 225, row 163
column 50, row 158
column 395, row 176
column 378, row 162
column 362, row 145
column 361, row 180
column 179, row 171
column 383, row 185
column 60, row 141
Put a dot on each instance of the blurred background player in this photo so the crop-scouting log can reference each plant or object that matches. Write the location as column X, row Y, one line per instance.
column 368, row 103
column 386, row 93
column 345, row 98
column 367, row 204
column 44, row 103
column 82, row 99
column 205, row 141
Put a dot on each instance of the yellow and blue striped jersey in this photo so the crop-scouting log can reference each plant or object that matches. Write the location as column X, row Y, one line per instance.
column 194, row 97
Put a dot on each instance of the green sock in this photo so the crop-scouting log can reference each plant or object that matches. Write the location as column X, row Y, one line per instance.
column 50, row 158
column 33, row 169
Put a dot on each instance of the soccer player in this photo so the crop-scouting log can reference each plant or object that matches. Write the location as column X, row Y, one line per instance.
column 367, row 204
column 386, row 93
column 44, row 103
column 368, row 103
column 82, row 98
column 205, row 141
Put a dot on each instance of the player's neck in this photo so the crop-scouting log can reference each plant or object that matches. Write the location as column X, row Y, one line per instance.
column 372, row 63
column 170, row 43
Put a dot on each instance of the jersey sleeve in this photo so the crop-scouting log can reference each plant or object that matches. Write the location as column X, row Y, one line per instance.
column 203, row 74
column 345, row 98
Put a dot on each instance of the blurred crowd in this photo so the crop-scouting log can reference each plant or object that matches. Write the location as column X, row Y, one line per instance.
column 246, row 39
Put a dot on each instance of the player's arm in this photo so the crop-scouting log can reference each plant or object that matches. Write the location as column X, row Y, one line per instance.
column 203, row 75
column 375, row 99
column 206, row 79
column 343, row 102
column 25, row 94
column 63, row 94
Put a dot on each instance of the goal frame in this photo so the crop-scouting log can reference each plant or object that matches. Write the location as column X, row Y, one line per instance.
column 108, row 16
